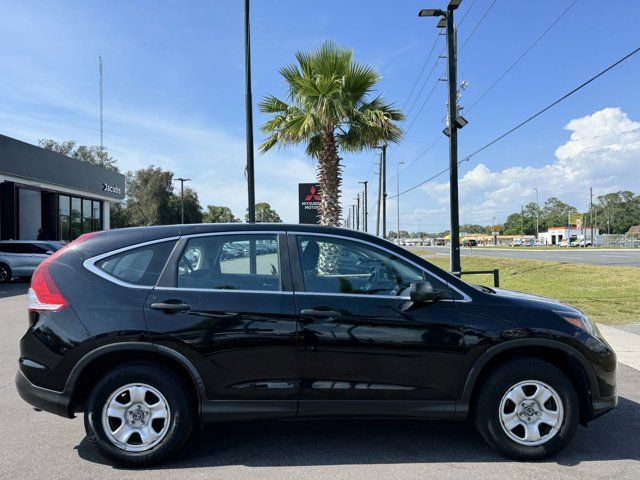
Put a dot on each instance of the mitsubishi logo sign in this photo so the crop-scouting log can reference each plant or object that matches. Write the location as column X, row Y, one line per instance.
column 308, row 202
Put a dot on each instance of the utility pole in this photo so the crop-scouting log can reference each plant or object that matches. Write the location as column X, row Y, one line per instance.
column 379, row 197
column 398, row 201
column 455, row 122
column 182, row 180
column 522, row 221
column 365, row 206
column 249, row 115
column 357, row 199
column 593, row 242
column 383, row 184
column 101, row 97
column 537, row 215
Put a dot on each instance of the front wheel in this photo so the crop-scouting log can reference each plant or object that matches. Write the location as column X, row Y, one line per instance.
column 5, row 273
column 139, row 414
column 527, row 409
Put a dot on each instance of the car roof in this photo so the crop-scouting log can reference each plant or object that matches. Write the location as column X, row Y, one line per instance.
column 29, row 241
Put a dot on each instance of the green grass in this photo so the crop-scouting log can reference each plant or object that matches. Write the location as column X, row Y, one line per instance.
column 607, row 294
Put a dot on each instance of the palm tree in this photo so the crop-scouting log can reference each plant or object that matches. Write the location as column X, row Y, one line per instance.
column 331, row 109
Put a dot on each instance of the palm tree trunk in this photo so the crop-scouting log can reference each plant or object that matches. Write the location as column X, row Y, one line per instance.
column 330, row 179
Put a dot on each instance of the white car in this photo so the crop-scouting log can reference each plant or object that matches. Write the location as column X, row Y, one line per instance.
column 19, row 258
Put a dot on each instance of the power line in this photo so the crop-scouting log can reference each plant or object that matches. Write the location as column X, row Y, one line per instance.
column 424, row 65
column 477, row 25
column 522, row 55
column 529, row 119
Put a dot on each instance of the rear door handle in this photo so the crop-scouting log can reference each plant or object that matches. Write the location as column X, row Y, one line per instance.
column 170, row 307
column 328, row 314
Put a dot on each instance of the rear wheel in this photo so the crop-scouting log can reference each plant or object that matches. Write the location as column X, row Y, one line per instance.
column 527, row 409
column 139, row 414
column 5, row 273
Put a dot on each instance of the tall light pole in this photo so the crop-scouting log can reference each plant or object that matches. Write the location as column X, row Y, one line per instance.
column 365, row 213
column 383, row 182
column 251, row 193
column 379, row 196
column 182, row 180
column 537, row 216
column 357, row 199
column 398, row 201
column 455, row 122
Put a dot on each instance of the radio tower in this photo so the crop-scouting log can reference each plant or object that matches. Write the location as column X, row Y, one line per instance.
column 101, row 124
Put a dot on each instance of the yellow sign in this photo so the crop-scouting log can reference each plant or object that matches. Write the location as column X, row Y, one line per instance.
column 575, row 219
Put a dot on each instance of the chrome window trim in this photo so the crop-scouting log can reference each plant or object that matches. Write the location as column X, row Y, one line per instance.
column 90, row 263
column 465, row 297
column 225, row 290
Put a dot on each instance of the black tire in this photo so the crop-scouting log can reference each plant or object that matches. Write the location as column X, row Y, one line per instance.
column 174, row 390
column 499, row 382
column 5, row 273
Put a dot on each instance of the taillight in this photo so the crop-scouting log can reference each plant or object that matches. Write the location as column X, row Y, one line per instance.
column 44, row 295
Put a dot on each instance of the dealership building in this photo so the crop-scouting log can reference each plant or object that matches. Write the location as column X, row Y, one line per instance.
column 47, row 195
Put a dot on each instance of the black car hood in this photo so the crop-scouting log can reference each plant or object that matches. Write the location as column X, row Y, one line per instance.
column 533, row 300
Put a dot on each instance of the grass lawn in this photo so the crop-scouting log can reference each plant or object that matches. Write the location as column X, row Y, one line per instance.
column 607, row 294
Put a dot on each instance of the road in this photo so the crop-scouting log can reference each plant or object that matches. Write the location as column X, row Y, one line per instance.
column 571, row 255
column 38, row 445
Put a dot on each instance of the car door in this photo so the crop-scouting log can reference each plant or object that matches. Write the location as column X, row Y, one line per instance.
column 38, row 254
column 225, row 302
column 365, row 347
column 21, row 258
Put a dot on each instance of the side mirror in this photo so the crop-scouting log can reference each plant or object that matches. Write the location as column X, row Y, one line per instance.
column 424, row 292
column 49, row 252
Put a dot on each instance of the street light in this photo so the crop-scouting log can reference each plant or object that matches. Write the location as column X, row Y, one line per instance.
column 398, row 202
column 365, row 200
column 383, row 183
column 537, row 214
column 181, row 180
column 455, row 122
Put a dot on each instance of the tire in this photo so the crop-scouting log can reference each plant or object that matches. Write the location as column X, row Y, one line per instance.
column 509, row 427
column 5, row 273
column 147, row 393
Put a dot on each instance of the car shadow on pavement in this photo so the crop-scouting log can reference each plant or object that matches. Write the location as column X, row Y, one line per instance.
column 351, row 442
column 15, row 287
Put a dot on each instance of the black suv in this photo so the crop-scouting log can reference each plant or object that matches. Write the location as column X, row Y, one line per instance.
column 151, row 331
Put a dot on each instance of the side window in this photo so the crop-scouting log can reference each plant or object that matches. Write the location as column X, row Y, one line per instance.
column 38, row 248
column 139, row 266
column 333, row 265
column 23, row 248
column 6, row 248
column 230, row 262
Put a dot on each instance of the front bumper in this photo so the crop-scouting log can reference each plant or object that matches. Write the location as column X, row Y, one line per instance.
column 42, row 398
column 603, row 404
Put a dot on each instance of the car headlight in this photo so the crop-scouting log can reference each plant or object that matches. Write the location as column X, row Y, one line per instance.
column 578, row 319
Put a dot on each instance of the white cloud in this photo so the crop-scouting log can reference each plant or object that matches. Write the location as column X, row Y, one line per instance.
column 602, row 152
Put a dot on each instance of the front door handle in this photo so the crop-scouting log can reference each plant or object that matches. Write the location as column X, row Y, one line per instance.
column 171, row 307
column 327, row 314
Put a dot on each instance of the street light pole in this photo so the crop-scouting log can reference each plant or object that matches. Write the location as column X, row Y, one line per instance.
column 537, row 216
column 383, row 183
column 357, row 199
column 249, row 116
column 182, row 180
column 398, row 201
column 455, row 122
column 365, row 200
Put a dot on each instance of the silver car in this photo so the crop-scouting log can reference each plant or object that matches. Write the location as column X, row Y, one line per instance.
column 19, row 258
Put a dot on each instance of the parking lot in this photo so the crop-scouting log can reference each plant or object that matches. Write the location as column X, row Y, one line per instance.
column 42, row 446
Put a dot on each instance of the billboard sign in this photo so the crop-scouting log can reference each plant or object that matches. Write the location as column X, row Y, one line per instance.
column 308, row 202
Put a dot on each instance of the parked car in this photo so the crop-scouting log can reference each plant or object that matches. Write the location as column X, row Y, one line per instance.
column 581, row 243
column 19, row 258
column 470, row 243
column 148, row 344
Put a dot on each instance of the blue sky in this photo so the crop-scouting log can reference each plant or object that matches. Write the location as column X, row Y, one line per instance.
column 174, row 93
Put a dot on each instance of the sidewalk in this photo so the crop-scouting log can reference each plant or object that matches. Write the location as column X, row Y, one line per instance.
column 624, row 343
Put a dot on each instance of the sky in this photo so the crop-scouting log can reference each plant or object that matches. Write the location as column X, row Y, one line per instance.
column 174, row 95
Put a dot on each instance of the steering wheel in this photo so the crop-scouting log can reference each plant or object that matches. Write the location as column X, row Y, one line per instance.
column 379, row 281
column 184, row 264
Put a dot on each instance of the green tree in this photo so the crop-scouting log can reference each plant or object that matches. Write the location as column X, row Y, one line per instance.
column 617, row 212
column 90, row 154
column 555, row 213
column 264, row 214
column 219, row 214
column 330, row 108
column 475, row 229
column 150, row 197
column 523, row 222
column 119, row 216
column 192, row 207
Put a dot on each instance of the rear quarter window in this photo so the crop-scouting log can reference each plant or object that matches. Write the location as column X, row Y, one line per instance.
column 138, row 266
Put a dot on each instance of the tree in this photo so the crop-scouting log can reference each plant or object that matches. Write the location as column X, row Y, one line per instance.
column 119, row 217
column 523, row 222
column 555, row 213
column 192, row 208
column 330, row 109
column 90, row 154
column 264, row 214
column 219, row 214
column 149, row 197
column 617, row 212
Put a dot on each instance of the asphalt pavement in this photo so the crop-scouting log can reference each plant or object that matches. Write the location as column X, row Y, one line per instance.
column 596, row 256
column 38, row 445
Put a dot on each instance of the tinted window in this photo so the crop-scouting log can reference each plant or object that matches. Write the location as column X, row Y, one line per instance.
column 140, row 266
column 16, row 248
column 232, row 262
column 333, row 265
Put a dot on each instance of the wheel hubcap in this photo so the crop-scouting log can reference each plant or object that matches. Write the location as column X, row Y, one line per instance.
column 136, row 417
column 531, row 413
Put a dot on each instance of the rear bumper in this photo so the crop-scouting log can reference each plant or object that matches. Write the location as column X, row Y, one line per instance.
column 42, row 398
